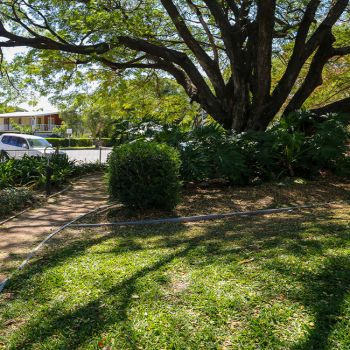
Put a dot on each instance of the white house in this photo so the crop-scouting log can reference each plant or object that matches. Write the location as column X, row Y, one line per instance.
column 39, row 121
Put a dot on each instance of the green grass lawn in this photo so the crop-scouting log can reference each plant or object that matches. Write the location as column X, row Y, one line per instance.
column 273, row 282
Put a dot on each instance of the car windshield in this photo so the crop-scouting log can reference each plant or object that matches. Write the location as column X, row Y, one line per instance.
column 36, row 143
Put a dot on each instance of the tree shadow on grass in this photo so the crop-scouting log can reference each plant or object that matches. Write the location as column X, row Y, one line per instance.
column 323, row 292
column 72, row 324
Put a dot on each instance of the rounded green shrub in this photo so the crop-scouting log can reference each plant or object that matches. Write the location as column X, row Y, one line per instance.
column 145, row 175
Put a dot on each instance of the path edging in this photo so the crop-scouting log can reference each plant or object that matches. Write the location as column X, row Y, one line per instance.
column 207, row 217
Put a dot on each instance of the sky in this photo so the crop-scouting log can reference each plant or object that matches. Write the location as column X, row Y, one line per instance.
column 43, row 102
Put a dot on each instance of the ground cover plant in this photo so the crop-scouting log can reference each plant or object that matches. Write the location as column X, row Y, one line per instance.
column 274, row 282
column 13, row 199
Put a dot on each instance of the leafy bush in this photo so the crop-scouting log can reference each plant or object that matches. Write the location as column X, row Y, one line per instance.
column 210, row 153
column 256, row 148
column 300, row 144
column 232, row 164
column 305, row 143
column 199, row 152
column 342, row 167
column 288, row 148
column 13, row 199
column 327, row 146
column 31, row 171
column 145, row 175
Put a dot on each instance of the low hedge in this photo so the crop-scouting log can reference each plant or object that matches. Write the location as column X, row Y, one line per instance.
column 73, row 142
column 77, row 142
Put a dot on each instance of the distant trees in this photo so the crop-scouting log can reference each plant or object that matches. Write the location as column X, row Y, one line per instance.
column 135, row 99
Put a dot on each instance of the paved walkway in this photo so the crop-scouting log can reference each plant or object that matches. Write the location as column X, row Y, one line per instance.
column 20, row 235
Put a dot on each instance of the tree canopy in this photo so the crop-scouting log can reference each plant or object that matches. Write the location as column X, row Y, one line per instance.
column 220, row 52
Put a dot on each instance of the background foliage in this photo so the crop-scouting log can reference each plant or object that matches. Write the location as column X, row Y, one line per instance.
column 298, row 145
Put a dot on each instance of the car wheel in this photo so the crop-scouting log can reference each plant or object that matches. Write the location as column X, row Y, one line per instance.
column 4, row 156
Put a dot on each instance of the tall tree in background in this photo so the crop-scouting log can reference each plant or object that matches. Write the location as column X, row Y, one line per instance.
column 220, row 52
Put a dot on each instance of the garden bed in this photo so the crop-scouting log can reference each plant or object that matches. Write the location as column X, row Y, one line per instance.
column 217, row 198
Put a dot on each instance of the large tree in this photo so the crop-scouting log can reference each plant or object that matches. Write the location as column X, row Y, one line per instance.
column 219, row 51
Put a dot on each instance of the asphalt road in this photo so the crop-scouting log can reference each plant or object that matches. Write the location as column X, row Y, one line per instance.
column 88, row 155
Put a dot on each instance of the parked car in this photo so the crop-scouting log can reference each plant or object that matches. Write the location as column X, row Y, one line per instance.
column 17, row 145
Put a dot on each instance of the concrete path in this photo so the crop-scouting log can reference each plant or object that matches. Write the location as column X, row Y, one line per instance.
column 20, row 235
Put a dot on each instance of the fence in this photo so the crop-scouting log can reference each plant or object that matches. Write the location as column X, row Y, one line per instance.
column 17, row 154
column 99, row 155
column 89, row 155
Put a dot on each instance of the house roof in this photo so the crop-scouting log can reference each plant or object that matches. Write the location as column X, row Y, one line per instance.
column 27, row 114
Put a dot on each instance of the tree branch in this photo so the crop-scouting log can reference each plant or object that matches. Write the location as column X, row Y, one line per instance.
column 342, row 106
column 303, row 49
column 45, row 43
column 207, row 31
column 341, row 51
column 314, row 75
column 210, row 67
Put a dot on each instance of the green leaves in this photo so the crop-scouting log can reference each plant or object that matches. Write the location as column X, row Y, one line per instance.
column 31, row 171
column 145, row 175
column 12, row 199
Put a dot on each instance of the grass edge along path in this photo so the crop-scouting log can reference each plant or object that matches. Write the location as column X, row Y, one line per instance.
column 46, row 239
